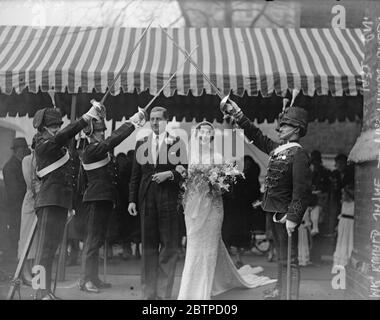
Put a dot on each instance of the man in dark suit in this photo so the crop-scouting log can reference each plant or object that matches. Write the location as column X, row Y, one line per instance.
column 15, row 189
column 153, row 191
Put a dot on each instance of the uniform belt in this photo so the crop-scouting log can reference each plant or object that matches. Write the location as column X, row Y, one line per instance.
column 54, row 166
column 96, row 165
column 347, row 216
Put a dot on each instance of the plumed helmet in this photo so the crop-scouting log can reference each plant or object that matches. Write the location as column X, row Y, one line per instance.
column 296, row 117
column 95, row 125
column 47, row 117
column 292, row 114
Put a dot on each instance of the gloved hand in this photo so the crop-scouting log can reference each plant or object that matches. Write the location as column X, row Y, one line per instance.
column 97, row 111
column 70, row 213
column 139, row 117
column 93, row 113
column 132, row 209
column 230, row 109
column 290, row 226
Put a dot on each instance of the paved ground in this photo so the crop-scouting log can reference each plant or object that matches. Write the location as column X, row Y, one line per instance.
column 125, row 278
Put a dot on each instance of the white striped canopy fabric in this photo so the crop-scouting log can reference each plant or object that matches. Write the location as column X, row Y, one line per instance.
column 237, row 59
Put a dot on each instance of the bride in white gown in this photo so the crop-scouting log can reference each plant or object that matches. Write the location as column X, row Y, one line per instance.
column 208, row 269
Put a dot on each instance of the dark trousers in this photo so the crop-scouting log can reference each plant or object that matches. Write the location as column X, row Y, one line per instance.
column 50, row 227
column 316, row 249
column 12, row 231
column 98, row 213
column 160, row 228
column 280, row 240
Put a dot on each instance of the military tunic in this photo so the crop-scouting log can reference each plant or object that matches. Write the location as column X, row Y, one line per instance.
column 101, row 182
column 57, row 186
column 288, row 179
column 55, row 196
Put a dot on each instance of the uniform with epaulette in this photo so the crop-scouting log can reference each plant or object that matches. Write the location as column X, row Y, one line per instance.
column 100, row 196
column 287, row 187
column 56, row 171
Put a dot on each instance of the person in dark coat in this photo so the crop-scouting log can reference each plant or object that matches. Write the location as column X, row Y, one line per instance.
column 55, row 198
column 15, row 189
column 153, row 192
column 240, row 217
column 130, row 232
column 320, row 188
column 100, row 196
column 343, row 175
column 287, row 185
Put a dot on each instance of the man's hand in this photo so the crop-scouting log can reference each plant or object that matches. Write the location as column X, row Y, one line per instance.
column 181, row 170
column 132, row 209
column 162, row 176
column 290, row 226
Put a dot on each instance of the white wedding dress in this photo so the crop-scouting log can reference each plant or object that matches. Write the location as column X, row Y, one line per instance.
column 208, row 269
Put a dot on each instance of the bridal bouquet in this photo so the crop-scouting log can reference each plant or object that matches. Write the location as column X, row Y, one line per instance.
column 215, row 179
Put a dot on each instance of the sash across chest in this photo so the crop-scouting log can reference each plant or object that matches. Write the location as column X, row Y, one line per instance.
column 97, row 164
column 54, row 166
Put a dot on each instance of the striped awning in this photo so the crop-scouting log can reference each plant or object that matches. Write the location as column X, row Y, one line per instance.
column 238, row 59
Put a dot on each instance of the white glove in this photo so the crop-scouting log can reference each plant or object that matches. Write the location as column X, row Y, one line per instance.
column 93, row 113
column 132, row 209
column 97, row 111
column 139, row 117
column 290, row 226
column 229, row 108
column 70, row 213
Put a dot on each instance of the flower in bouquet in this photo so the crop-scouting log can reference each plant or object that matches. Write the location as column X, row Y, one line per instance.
column 213, row 179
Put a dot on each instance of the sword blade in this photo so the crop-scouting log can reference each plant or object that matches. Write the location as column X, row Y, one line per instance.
column 125, row 63
column 219, row 93
column 168, row 81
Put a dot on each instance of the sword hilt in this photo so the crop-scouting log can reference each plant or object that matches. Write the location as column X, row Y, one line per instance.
column 100, row 107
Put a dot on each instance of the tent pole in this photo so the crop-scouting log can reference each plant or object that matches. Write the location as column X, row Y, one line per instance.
column 63, row 250
column 73, row 110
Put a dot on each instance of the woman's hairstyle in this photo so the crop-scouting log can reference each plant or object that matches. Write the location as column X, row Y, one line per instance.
column 205, row 123
column 350, row 190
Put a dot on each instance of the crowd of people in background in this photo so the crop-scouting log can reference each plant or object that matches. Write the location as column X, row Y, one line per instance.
column 319, row 229
column 327, row 223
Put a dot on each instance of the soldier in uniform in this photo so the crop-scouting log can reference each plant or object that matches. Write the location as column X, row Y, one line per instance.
column 55, row 169
column 100, row 196
column 287, row 185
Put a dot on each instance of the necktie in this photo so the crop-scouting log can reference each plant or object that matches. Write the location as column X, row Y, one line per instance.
column 156, row 149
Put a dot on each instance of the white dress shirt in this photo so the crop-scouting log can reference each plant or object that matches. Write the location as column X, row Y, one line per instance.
column 161, row 138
